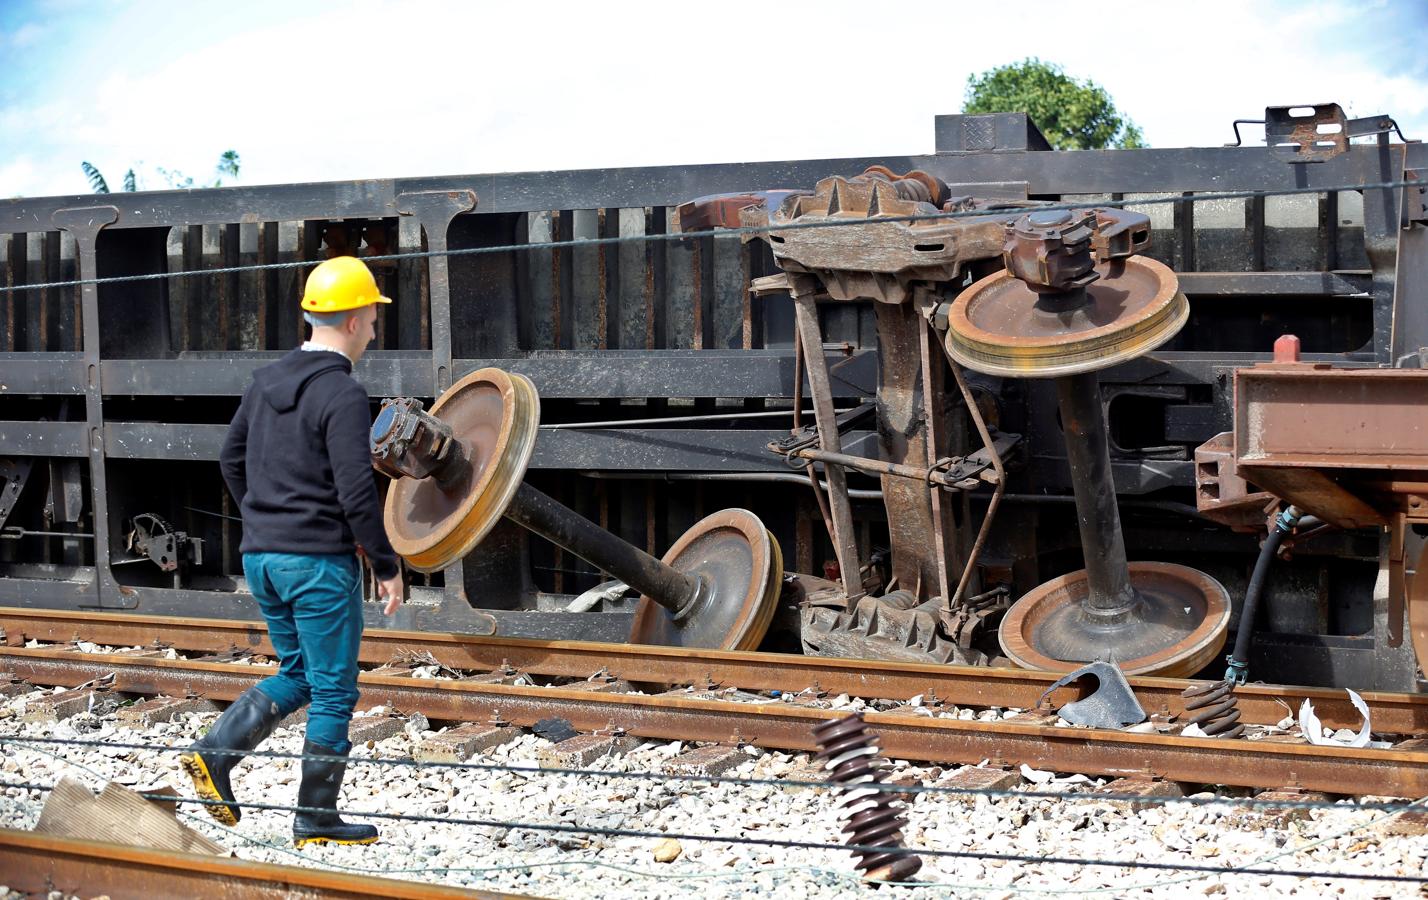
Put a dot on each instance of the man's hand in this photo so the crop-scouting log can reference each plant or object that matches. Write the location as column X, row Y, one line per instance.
column 393, row 590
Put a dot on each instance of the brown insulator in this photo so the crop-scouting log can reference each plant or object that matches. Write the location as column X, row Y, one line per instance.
column 872, row 817
column 1214, row 709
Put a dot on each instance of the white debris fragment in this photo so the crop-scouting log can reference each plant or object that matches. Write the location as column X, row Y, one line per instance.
column 1036, row 776
column 1316, row 733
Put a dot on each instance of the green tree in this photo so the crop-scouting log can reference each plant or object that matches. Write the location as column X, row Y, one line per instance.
column 1074, row 115
column 227, row 167
column 100, row 186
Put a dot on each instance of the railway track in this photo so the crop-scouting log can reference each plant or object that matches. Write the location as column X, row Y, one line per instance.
column 37, row 864
column 715, row 698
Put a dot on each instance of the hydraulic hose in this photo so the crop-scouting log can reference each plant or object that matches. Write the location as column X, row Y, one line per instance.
column 1238, row 669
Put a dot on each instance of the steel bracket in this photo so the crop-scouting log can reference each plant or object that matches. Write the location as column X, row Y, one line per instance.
column 435, row 210
column 85, row 223
column 13, row 475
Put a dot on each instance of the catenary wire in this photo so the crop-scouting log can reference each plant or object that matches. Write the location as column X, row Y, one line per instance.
column 731, row 232
column 847, row 876
column 991, row 793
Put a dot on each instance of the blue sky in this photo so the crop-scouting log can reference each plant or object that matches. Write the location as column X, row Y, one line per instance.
column 381, row 89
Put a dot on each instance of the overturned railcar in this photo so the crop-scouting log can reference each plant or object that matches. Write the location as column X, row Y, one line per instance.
column 677, row 377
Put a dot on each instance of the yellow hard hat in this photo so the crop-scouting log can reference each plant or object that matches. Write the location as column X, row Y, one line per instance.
column 341, row 283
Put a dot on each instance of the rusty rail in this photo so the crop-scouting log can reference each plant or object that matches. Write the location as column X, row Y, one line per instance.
column 1392, row 713
column 36, row 864
column 785, row 726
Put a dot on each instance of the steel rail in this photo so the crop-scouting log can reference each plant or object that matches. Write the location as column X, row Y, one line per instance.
column 1006, row 688
column 36, row 864
column 786, row 726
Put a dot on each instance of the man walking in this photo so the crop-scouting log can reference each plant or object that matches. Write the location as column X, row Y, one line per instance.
column 296, row 459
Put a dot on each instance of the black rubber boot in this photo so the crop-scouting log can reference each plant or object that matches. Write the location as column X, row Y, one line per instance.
column 321, row 783
column 243, row 726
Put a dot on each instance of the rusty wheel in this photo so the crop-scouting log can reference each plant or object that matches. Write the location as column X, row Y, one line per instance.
column 996, row 327
column 741, row 568
column 1178, row 629
column 495, row 415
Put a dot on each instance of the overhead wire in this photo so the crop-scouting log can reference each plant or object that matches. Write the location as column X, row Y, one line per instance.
column 843, row 875
column 511, row 825
column 739, row 781
column 723, row 233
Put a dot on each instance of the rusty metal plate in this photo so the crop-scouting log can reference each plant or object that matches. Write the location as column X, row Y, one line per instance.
column 1179, row 629
column 496, row 417
column 1221, row 494
column 996, row 326
column 1348, row 445
column 741, row 566
column 1315, row 416
column 1306, row 134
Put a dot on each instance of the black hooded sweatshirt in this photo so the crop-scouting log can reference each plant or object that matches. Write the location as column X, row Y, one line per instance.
column 296, row 459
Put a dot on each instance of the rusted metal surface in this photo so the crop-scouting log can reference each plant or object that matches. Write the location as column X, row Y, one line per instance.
column 1185, row 616
column 1007, row 688
column 1054, row 312
column 789, row 727
column 36, row 864
column 1000, row 326
column 1346, row 445
column 738, row 568
column 746, row 209
column 922, row 544
column 881, row 260
column 494, row 418
column 1221, row 492
column 893, row 627
column 406, row 441
column 845, row 545
column 1349, row 446
column 1306, row 134
column 1056, row 251
column 1211, row 707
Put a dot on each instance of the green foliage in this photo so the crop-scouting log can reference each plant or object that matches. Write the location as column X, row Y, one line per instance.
column 1074, row 115
column 96, row 181
column 227, row 167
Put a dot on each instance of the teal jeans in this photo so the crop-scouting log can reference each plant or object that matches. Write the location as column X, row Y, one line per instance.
column 313, row 605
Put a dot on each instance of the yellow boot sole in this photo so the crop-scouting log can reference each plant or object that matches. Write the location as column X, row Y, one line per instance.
column 303, row 842
column 197, row 770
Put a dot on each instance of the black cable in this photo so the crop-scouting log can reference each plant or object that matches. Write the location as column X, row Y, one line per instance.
column 1059, row 796
column 770, row 842
column 714, row 233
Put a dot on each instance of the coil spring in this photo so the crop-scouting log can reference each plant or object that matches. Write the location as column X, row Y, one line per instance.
column 1218, row 713
column 872, row 817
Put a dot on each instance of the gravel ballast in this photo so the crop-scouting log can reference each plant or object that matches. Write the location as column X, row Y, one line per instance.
column 1342, row 838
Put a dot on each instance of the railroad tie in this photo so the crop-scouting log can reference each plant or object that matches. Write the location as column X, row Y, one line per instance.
column 582, row 750
column 461, row 743
column 157, row 710
column 706, row 762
